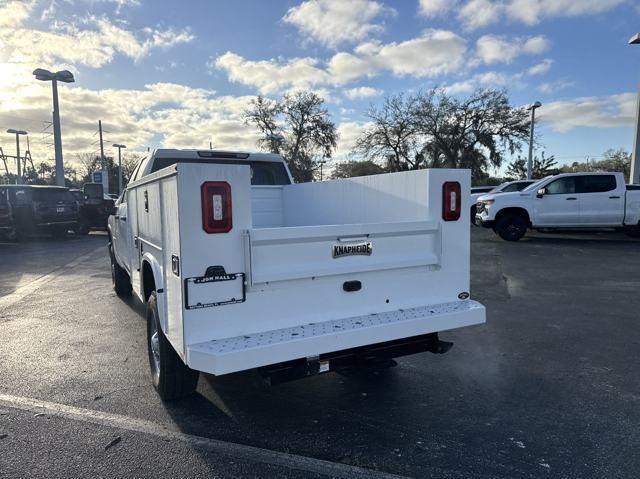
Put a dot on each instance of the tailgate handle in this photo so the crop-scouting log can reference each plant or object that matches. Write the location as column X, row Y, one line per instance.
column 351, row 286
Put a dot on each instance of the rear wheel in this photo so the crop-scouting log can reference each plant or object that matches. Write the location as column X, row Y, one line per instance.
column 82, row 228
column 119, row 277
column 59, row 232
column 474, row 210
column 511, row 227
column 633, row 232
column 172, row 378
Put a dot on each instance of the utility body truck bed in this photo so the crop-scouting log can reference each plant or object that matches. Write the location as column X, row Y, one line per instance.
column 248, row 270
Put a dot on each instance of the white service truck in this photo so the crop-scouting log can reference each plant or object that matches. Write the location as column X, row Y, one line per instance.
column 566, row 201
column 242, row 269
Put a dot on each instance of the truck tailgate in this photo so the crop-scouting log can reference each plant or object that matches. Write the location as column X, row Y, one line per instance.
column 279, row 254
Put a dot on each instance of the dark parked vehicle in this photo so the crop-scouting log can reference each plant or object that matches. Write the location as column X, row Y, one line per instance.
column 94, row 207
column 7, row 229
column 42, row 209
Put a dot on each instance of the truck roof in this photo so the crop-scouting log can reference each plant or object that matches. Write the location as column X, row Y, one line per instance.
column 37, row 187
column 217, row 154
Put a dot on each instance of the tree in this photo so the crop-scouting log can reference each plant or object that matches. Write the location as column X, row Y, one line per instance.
column 298, row 127
column 88, row 164
column 544, row 166
column 433, row 129
column 393, row 134
column 471, row 133
column 349, row 169
column 129, row 164
column 612, row 160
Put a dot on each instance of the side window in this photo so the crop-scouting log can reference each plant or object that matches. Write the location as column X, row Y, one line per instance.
column 597, row 183
column 562, row 186
column 512, row 188
column 137, row 173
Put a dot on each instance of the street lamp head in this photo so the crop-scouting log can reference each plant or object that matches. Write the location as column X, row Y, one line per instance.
column 635, row 40
column 17, row 132
column 535, row 105
column 116, row 145
column 65, row 76
column 42, row 74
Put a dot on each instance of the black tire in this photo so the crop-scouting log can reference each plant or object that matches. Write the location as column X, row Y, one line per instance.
column 59, row 232
column 82, row 228
column 172, row 378
column 119, row 277
column 633, row 232
column 474, row 210
column 511, row 227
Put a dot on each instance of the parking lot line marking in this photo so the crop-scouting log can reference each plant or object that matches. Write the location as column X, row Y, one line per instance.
column 30, row 287
column 229, row 449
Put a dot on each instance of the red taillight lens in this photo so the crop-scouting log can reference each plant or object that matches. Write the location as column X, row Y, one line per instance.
column 216, row 207
column 451, row 201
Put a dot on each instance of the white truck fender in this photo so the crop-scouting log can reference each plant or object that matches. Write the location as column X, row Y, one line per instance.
column 156, row 270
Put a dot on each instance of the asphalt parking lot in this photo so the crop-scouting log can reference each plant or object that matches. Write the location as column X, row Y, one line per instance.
column 549, row 387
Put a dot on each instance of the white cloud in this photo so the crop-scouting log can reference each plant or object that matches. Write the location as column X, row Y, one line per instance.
column 348, row 133
column 90, row 41
column 158, row 115
column 481, row 13
column 435, row 52
column 362, row 92
column 432, row 8
column 533, row 11
column 270, row 76
column 541, row 68
column 552, row 87
column 333, row 22
column 500, row 49
column 614, row 111
column 15, row 12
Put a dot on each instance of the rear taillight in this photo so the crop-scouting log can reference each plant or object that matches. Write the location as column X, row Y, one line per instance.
column 216, row 207
column 451, row 201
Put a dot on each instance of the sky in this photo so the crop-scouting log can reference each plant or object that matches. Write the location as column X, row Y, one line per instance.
column 162, row 73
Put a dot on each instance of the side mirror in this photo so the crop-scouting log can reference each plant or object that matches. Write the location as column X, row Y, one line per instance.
column 541, row 192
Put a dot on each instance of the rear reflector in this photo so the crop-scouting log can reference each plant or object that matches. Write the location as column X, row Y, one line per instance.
column 451, row 201
column 216, row 207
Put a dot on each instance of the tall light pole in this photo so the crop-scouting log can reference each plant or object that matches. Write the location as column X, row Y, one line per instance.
column 635, row 157
column 533, row 119
column 119, row 147
column 64, row 76
column 18, row 133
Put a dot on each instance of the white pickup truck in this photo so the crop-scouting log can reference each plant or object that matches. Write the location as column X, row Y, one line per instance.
column 566, row 201
column 241, row 269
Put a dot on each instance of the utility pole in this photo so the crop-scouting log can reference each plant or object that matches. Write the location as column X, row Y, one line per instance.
column 533, row 119
column 322, row 162
column 119, row 147
column 635, row 157
column 18, row 133
column 101, row 145
column 64, row 76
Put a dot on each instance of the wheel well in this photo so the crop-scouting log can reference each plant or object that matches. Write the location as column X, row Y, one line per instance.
column 148, row 281
column 514, row 211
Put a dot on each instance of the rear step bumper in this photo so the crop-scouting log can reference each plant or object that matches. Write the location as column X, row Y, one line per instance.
column 256, row 350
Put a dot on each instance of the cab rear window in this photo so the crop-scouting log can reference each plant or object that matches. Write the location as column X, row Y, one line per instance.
column 263, row 173
column 52, row 196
